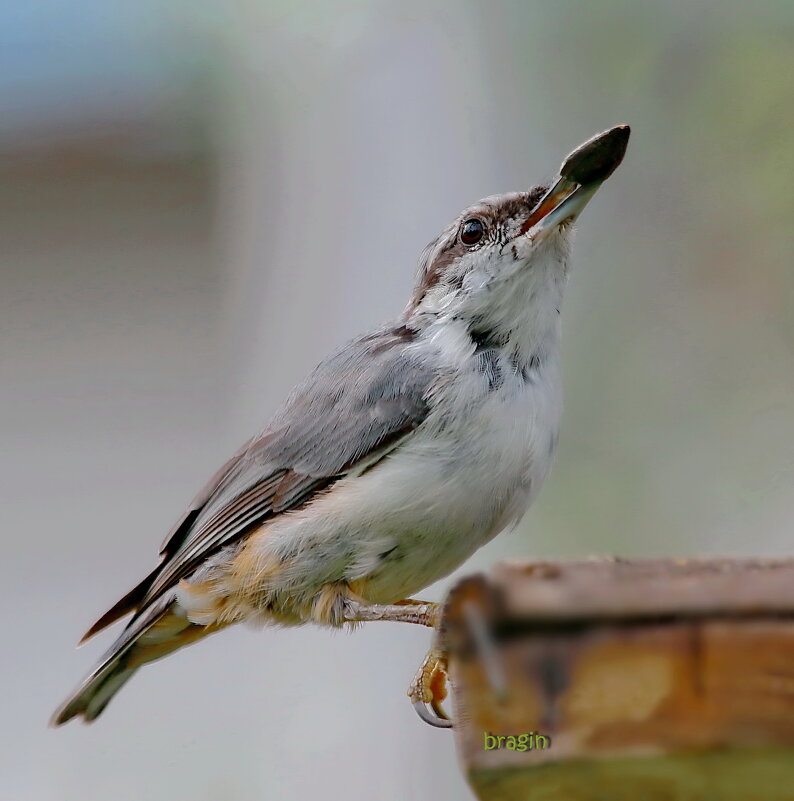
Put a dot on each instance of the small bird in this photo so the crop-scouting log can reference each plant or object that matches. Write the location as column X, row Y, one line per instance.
column 401, row 454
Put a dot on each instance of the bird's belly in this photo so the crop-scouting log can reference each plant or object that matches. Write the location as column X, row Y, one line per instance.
column 451, row 505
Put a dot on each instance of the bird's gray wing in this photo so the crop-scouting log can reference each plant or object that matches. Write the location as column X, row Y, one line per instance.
column 354, row 407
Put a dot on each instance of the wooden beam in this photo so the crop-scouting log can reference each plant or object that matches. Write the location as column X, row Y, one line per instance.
column 635, row 680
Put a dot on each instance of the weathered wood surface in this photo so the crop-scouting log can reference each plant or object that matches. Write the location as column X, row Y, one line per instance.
column 653, row 680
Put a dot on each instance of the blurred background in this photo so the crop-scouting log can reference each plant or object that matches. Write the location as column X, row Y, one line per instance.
column 197, row 200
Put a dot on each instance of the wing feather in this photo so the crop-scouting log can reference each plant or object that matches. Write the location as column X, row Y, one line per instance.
column 354, row 407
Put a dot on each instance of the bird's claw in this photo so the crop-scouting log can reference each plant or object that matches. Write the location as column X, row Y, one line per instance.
column 429, row 688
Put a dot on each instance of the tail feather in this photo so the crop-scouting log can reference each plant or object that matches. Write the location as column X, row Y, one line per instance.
column 94, row 694
column 156, row 633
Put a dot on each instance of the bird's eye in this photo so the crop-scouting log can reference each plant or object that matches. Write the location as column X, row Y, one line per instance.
column 472, row 231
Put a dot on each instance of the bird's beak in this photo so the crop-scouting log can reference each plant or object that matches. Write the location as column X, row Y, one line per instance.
column 585, row 169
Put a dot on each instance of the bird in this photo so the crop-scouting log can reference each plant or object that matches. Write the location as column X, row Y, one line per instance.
column 399, row 455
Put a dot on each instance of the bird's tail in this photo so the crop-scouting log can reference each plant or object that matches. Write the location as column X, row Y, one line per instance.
column 156, row 633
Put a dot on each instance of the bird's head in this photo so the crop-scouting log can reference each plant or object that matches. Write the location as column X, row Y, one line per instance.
column 503, row 263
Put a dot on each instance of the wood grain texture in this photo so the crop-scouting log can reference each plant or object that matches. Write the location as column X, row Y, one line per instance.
column 652, row 680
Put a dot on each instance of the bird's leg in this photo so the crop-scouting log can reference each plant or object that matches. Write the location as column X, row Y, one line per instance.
column 424, row 613
column 429, row 685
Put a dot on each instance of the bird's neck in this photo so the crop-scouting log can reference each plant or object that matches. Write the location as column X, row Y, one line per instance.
column 529, row 337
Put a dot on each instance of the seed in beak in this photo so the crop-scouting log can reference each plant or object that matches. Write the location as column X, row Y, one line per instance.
column 597, row 158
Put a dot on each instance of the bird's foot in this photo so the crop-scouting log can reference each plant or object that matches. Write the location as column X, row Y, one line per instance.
column 429, row 688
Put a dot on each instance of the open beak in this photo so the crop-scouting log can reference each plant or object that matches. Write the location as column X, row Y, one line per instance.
column 585, row 169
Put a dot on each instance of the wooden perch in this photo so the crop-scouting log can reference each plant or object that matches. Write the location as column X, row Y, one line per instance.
column 649, row 680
